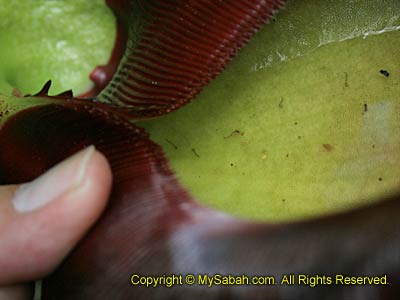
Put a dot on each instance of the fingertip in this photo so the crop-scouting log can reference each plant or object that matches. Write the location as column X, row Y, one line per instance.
column 39, row 237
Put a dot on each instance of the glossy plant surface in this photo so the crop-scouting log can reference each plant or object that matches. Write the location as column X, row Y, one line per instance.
column 152, row 225
column 42, row 40
column 302, row 121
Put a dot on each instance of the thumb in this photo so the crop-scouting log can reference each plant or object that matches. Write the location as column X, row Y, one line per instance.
column 41, row 221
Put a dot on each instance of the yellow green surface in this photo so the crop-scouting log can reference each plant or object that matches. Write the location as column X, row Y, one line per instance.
column 62, row 40
column 302, row 122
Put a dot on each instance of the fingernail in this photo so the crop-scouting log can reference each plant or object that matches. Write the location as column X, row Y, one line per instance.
column 66, row 176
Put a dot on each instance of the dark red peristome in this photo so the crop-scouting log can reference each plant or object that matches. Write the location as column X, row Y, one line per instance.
column 178, row 48
column 153, row 227
column 102, row 75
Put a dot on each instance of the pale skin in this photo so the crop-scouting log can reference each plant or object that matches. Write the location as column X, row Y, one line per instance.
column 34, row 240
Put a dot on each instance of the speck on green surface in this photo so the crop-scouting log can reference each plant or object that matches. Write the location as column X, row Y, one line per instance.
column 298, row 93
column 301, row 123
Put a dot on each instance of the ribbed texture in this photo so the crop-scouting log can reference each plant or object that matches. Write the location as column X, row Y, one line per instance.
column 152, row 227
column 184, row 44
column 143, row 207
